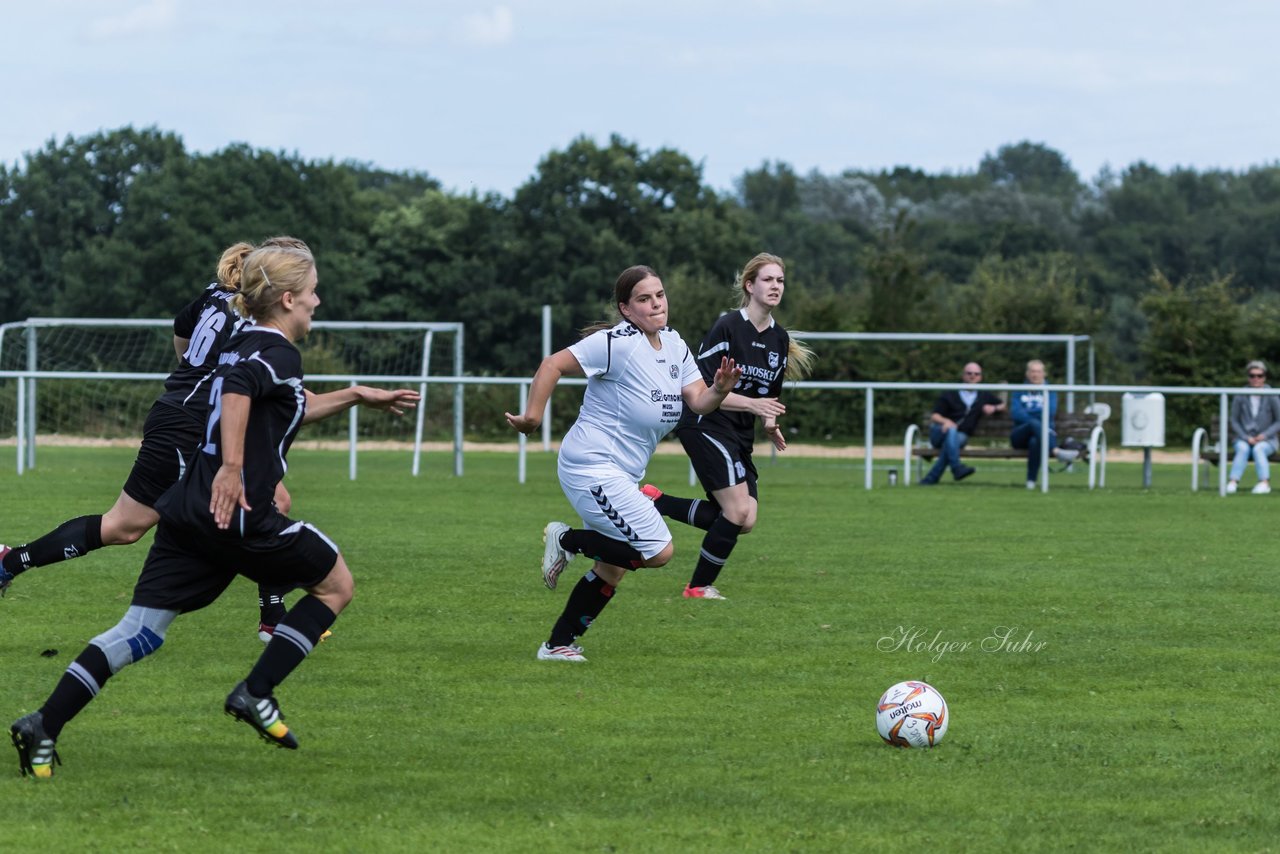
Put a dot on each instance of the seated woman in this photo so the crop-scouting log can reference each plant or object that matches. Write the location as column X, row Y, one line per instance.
column 1255, row 421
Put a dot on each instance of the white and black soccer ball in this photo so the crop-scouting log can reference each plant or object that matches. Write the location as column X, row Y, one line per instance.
column 912, row 714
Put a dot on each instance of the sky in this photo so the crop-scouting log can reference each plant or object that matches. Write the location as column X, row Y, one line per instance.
column 475, row 94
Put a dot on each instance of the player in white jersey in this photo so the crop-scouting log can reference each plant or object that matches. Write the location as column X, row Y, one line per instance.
column 640, row 376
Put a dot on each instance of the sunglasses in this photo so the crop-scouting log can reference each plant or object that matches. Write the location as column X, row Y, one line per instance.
column 1253, row 375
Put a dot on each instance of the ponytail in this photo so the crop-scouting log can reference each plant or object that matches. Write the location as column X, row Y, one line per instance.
column 231, row 266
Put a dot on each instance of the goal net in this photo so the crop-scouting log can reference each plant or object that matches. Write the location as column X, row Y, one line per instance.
column 89, row 380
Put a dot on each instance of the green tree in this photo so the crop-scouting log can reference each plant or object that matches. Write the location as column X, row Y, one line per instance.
column 899, row 285
column 441, row 258
column 1035, row 294
column 60, row 214
column 590, row 211
column 1193, row 339
column 1031, row 167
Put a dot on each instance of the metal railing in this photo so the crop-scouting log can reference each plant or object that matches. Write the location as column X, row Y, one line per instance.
column 869, row 390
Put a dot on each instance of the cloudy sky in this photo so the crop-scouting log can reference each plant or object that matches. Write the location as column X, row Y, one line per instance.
column 475, row 93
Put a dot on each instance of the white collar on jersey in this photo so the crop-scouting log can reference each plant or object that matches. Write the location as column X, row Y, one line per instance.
column 743, row 312
column 257, row 328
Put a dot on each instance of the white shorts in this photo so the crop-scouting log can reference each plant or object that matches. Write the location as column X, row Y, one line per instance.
column 615, row 507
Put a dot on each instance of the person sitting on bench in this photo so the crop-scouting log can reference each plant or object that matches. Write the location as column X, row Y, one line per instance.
column 954, row 418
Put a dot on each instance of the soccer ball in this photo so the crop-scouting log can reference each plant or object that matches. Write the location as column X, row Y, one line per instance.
column 912, row 714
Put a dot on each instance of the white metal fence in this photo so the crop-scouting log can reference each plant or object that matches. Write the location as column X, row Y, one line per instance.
column 24, row 340
column 868, row 389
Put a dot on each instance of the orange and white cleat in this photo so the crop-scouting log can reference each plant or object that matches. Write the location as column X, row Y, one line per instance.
column 708, row 592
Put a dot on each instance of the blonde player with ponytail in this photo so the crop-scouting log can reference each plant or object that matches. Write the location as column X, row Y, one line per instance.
column 221, row 518
column 720, row 443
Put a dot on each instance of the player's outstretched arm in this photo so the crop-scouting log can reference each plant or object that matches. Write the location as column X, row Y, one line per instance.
column 761, row 407
column 707, row 398
column 396, row 401
column 555, row 366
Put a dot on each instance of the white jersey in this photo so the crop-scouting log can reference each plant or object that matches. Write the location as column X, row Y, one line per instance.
column 633, row 399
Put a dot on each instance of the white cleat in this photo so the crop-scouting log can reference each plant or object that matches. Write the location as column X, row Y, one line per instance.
column 554, row 557
column 572, row 652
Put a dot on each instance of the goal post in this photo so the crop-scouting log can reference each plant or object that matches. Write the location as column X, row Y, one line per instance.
column 96, row 378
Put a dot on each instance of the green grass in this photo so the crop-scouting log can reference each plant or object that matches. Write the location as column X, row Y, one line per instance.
column 1145, row 720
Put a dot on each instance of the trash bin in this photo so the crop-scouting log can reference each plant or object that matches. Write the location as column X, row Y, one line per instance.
column 1142, row 426
column 1143, row 423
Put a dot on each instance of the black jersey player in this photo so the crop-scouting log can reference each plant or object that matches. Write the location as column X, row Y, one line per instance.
column 170, row 433
column 220, row 519
column 720, row 443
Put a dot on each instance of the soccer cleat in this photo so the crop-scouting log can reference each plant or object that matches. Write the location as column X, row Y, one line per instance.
column 6, row 577
column 572, row 652
column 261, row 713
column 651, row 492
column 1263, row 488
column 36, row 755
column 554, row 557
column 708, row 592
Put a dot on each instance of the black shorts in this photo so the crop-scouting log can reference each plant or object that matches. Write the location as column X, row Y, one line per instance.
column 720, row 462
column 187, row 569
column 169, row 437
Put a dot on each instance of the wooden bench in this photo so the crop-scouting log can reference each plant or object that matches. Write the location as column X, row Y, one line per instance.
column 1206, row 447
column 992, row 442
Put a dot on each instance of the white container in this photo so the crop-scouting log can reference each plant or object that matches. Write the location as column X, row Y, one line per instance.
column 1142, row 425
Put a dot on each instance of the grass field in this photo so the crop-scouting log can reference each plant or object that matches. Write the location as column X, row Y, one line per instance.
column 1135, row 621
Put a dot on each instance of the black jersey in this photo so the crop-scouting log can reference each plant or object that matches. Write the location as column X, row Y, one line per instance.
column 763, row 358
column 260, row 363
column 207, row 322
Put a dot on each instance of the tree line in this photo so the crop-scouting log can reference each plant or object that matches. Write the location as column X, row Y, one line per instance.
column 1175, row 274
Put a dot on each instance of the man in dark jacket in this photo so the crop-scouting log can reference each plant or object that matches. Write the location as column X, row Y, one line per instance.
column 954, row 418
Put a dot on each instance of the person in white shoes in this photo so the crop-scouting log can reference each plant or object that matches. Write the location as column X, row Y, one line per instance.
column 1255, row 422
column 640, row 376
column 1028, row 409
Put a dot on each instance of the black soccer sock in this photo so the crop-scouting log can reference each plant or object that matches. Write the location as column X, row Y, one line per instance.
column 295, row 636
column 80, row 683
column 271, row 608
column 698, row 512
column 73, row 538
column 717, row 545
column 586, row 601
column 597, row 546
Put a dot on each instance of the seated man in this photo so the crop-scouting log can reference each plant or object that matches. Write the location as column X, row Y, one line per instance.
column 954, row 418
